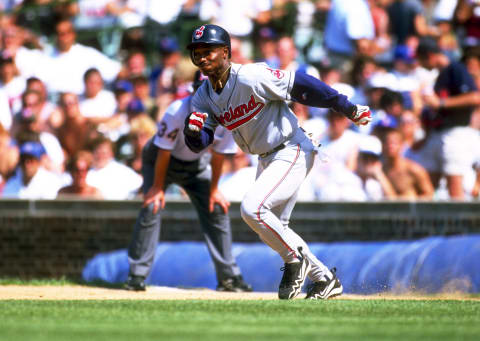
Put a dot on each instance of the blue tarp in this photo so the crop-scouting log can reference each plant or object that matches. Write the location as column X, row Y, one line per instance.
column 428, row 265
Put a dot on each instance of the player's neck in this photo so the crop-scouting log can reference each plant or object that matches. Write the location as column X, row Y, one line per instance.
column 218, row 81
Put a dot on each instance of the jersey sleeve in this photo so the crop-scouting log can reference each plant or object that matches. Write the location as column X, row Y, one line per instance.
column 269, row 83
column 169, row 127
column 223, row 142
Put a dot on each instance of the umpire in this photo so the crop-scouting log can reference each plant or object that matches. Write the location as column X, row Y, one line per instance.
column 167, row 160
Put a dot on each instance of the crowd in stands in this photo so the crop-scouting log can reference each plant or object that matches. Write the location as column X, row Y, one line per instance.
column 84, row 85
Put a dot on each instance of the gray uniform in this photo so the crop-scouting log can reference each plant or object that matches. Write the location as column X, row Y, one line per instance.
column 253, row 106
column 193, row 173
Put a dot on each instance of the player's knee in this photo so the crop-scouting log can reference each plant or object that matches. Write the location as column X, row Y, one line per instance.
column 147, row 217
column 248, row 211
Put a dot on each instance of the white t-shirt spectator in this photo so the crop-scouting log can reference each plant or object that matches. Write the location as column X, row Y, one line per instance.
column 28, row 61
column 44, row 185
column 14, row 90
column 115, row 181
column 5, row 113
column 102, row 105
column 63, row 72
column 233, row 15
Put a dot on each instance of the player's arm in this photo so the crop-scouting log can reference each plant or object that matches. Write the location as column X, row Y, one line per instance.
column 216, row 197
column 313, row 92
column 156, row 194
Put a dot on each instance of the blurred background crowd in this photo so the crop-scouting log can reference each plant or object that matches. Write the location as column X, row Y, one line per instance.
column 84, row 84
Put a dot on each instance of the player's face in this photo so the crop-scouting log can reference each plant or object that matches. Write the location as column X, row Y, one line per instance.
column 210, row 58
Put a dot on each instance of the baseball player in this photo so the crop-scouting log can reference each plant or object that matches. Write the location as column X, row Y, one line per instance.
column 251, row 101
column 166, row 160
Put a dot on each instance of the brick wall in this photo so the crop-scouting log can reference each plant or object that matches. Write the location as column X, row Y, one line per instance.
column 51, row 239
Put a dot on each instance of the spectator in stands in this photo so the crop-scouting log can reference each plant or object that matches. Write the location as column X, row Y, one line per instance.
column 142, row 128
column 471, row 59
column 115, row 180
column 237, row 17
column 78, row 167
column 374, row 182
column 349, row 32
column 363, row 69
column 135, row 65
column 49, row 116
column 31, row 180
column 476, row 187
column 28, row 128
column 287, row 55
column 97, row 103
column 407, row 19
column 11, row 83
column 94, row 14
column 9, row 155
column 76, row 130
column 449, row 150
column 6, row 116
column 410, row 128
column 382, row 43
column 238, row 176
column 467, row 16
column 141, row 91
column 69, row 61
column 409, row 179
column 339, row 142
column 267, row 47
column 161, row 78
column 367, row 182
column 333, row 174
column 26, row 59
column 405, row 80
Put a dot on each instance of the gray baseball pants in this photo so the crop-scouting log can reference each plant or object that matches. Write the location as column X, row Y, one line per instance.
column 194, row 177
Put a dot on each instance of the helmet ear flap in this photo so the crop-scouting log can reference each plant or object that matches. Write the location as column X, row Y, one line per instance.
column 192, row 50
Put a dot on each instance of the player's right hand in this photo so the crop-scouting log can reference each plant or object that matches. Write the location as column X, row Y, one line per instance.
column 196, row 120
column 362, row 115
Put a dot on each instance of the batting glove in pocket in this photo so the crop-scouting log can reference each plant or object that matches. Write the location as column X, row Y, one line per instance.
column 362, row 115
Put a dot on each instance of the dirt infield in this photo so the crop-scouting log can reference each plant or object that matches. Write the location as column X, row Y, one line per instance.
column 25, row 292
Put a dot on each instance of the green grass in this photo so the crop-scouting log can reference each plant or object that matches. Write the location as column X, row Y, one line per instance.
column 270, row 320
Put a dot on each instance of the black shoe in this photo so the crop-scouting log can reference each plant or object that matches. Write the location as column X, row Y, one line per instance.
column 325, row 289
column 234, row 284
column 135, row 283
column 294, row 275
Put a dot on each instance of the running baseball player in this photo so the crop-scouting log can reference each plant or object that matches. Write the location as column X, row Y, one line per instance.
column 166, row 160
column 250, row 101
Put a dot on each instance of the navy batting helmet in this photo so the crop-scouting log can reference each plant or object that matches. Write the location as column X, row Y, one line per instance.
column 210, row 35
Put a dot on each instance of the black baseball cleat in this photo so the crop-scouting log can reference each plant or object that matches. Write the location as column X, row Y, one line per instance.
column 234, row 284
column 135, row 283
column 294, row 275
column 325, row 289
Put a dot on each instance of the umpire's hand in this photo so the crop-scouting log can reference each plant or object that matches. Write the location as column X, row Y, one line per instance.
column 155, row 196
column 216, row 197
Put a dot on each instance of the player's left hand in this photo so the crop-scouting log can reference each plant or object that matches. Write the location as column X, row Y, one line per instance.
column 216, row 197
column 155, row 196
column 362, row 115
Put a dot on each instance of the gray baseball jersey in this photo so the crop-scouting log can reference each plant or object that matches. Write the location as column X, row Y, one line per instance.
column 251, row 105
column 170, row 133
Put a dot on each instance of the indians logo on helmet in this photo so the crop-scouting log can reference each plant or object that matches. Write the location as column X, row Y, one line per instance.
column 199, row 32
